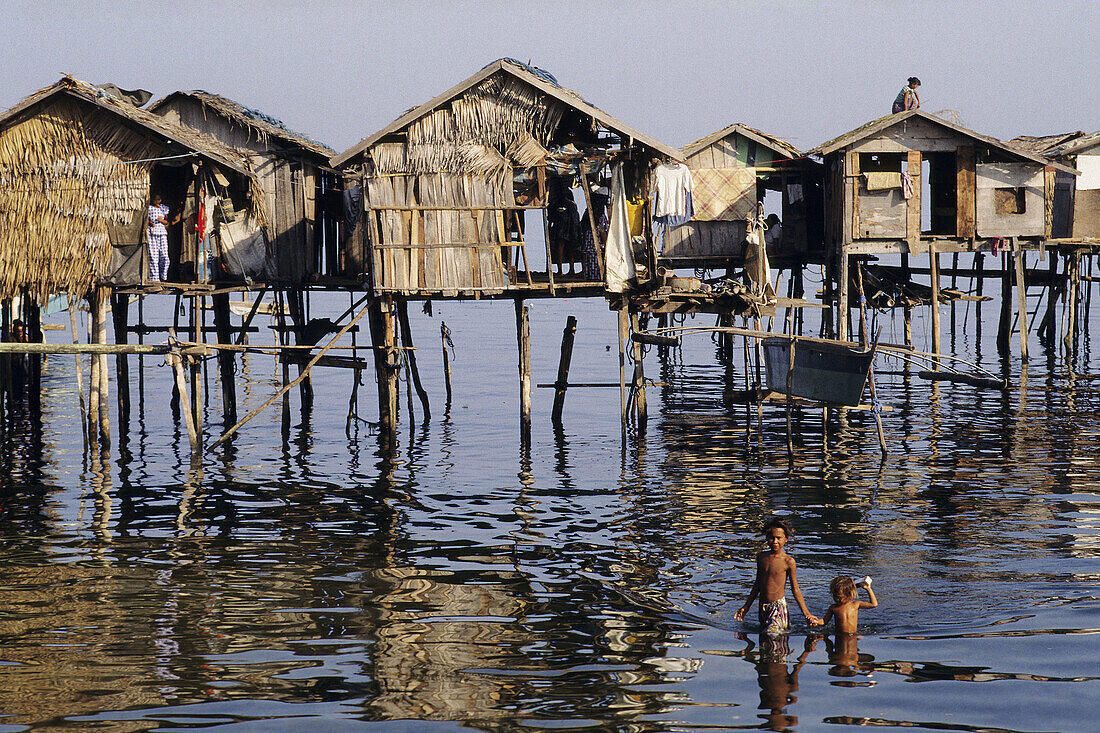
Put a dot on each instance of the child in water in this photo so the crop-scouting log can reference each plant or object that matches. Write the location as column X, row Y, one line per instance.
column 846, row 605
column 773, row 568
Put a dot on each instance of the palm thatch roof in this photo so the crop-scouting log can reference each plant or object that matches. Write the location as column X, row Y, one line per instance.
column 778, row 145
column 495, row 107
column 875, row 126
column 74, row 161
column 263, row 125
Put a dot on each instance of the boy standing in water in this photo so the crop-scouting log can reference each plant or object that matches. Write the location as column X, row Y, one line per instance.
column 846, row 605
column 773, row 567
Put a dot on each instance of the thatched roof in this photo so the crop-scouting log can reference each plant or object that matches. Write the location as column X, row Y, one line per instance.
column 778, row 145
column 75, row 161
column 530, row 79
column 263, row 125
column 875, row 126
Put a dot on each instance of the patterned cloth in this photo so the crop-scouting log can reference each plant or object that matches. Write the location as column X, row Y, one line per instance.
column 724, row 194
column 774, row 618
column 158, row 243
column 591, row 262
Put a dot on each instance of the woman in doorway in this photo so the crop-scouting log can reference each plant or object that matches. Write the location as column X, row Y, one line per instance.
column 158, row 238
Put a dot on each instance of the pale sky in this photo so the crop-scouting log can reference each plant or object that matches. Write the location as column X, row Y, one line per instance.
column 805, row 71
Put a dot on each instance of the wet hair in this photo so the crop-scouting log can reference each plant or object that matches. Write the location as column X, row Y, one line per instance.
column 777, row 522
column 843, row 589
column 914, row 80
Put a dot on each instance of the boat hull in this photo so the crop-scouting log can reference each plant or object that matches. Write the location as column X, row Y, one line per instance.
column 823, row 371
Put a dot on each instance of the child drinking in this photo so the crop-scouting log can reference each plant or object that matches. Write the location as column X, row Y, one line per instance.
column 773, row 567
column 847, row 605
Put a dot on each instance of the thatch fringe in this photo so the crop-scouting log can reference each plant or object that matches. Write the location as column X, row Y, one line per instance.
column 66, row 180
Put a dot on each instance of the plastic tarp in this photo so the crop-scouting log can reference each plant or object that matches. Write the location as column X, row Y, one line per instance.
column 243, row 247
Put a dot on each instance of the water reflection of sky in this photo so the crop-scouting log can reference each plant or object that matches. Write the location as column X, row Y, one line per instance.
column 302, row 579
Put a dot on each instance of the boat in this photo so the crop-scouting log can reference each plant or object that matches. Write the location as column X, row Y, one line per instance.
column 825, row 371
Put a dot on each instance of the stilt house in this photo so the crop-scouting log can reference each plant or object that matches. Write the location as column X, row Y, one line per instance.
column 300, row 201
column 78, row 164
column 1077, row 198
column 734, row 169
column 453, row 189
column 915, row 183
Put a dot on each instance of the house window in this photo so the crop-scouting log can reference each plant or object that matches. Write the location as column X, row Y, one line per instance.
column 1009, row 200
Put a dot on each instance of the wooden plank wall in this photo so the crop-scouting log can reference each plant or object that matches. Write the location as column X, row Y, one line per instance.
column 913, row 206
column 1030, row 177
column 965, row 192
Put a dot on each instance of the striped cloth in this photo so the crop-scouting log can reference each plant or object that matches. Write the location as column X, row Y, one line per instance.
column 724, row 194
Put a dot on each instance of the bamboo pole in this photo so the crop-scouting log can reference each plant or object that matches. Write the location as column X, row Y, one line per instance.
column 104, row 385
column 790, row 382
column 562, row 384
column 623, row 319
column 305, row 372
column 93, row 370
column 871, row 370
column 934, row 265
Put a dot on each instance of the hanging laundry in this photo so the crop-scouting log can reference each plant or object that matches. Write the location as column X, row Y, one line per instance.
column 635, row 214
column 619, row 262
column 672, row 190
column 906, row 185
column 882, row 180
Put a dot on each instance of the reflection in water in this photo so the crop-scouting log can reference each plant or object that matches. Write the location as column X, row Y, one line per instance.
column 313, row 575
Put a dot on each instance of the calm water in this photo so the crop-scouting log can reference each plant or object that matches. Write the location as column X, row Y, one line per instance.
column 299, row 581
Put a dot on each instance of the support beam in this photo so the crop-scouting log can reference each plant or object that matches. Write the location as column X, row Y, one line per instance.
column 934, row 265
column 562, row 384
column 1021, row 300
column 640, row 405
column 226, row 358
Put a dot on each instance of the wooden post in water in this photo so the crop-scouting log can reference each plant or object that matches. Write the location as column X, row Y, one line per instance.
column 226, row 365
column 1021, row 297
column 1070, row 336
column 624, row 325
column 842, row 299
column 934, row 264
column 1004, row 325
column 410, row 356
column 523, row 338
column 120, row 306
column 566, row 357
column 102, row 296
column 445, row 338
column 871, row 371
column 93, row 368
column 74, row 325
column 176, row 362
column 196, row 365
column 383, row 340
column 640, row 405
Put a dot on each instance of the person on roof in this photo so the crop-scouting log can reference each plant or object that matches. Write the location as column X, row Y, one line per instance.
column 907, row 98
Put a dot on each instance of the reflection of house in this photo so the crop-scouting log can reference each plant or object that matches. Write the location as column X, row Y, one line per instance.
column 292, row 171
column 910, row 181
column 77, row 164
column 733, row 169
column 1076, row 198
column 449, row 185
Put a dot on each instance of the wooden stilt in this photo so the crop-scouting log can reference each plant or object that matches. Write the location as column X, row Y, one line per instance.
column 226, row 359
column 523, row 338
column 842, row 297
column 120, row 309
column 1021, row 298
column 445, row 337
column 790, row 380
column 34, row 381
column 624, row 321
column 74, row 325
column 195, row 367
column 93, row 370
column 1004, row 325
column 410, row 356
column 1070, row 336
column 870, row 372
column 566, row 357
column 102, row 296
column 381, row 333
column 176, row 362
column 934, row 264
column 281, row 308
column 640, row 404
column 296, row 305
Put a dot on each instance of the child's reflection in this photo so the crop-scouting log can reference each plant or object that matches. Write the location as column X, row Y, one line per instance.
column 847, row 661
column 777, row 683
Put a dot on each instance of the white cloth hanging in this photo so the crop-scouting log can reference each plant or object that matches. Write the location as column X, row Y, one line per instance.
column 620, row 270
column 673, row 185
